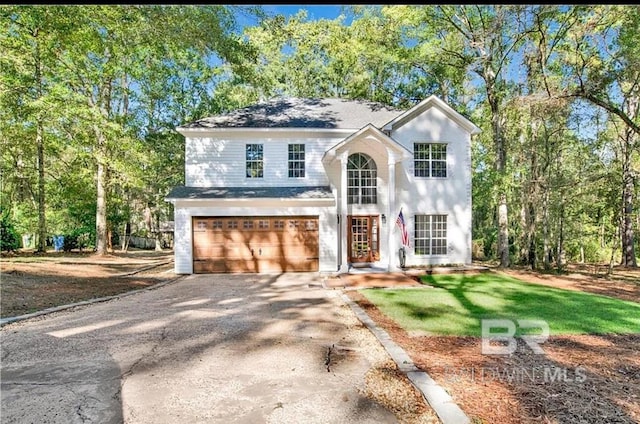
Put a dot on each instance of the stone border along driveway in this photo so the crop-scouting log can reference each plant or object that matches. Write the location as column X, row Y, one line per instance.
column 444, row 406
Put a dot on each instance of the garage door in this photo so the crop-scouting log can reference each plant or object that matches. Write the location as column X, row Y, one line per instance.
column 255, row 244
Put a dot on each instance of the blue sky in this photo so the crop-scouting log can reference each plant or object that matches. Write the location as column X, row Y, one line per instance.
column 314, row 12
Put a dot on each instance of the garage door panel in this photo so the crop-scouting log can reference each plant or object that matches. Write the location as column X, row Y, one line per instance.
column 255, row 244
column 241, row 265
column 215, row 251
column 206, row 266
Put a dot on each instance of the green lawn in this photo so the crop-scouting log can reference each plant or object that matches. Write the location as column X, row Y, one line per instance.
column 458, row 302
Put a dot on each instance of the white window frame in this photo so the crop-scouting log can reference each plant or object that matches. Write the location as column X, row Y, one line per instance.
column 254, row 160
column 430, row 235
column 296, row 160
column 362, row 181
column 433, row 164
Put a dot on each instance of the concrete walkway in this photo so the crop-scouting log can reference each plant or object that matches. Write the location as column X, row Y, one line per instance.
column 252, row 348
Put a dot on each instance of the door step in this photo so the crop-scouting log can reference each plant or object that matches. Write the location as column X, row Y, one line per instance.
column 366, row 269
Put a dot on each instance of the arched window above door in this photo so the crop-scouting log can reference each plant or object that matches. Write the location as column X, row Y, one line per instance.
column 362, row 180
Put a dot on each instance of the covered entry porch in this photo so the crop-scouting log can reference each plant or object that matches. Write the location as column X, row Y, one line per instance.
column 363, row 168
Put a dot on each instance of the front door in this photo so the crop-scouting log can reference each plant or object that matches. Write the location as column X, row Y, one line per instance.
column 363, row 239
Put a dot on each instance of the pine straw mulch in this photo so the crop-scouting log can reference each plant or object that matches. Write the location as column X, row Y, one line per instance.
column 578, row 379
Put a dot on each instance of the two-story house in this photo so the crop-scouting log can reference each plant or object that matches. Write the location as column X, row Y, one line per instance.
column 318, row 185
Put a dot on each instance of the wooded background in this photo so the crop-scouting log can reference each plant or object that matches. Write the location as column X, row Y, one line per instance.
column 90, row 97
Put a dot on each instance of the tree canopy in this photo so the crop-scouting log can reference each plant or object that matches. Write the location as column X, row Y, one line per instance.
column 90, row 97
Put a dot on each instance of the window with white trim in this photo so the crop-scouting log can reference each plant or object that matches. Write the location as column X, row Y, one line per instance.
column 430, row 235
column 362, row 180
column 254, row 157
column 430, row 160
column 296, row 160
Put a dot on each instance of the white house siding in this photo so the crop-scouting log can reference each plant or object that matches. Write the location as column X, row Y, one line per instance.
column 215, row 159
column 450, row 196
column 185, row 210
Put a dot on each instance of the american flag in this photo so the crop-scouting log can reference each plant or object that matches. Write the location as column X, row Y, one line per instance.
column 403, row 228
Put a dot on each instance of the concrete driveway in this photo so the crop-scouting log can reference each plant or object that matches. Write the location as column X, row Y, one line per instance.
column 207, row 348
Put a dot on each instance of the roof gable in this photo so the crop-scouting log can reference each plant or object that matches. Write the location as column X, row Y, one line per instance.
column 370, row 130
column 432, row 101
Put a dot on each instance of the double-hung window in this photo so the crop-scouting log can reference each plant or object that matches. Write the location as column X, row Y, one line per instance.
column 430, row 235
column 296, row 160
column 254, row 161
column 430, row 160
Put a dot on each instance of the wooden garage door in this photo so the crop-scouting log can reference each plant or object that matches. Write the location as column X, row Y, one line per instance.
column 255, row 244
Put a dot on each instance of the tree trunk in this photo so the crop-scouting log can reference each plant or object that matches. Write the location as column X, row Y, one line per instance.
column 42, row 222
column 101, row 198
column 501, row 166
column 545, row 231
column 628, row 249
column 126, row 235
column 503, row 232
column 158, row 233
column 560, row 245
column 628, row 188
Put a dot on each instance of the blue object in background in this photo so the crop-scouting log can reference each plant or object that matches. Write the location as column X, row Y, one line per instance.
column 58, row 242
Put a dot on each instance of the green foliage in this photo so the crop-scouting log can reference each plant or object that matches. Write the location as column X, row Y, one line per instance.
column 79, row 238
column 553, row 87
column 106, row 85
column 9, row 237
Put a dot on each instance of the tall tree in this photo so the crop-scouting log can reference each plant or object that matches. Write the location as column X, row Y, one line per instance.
column 28, row 89
column 101, row 59
column 601, row 64
column 490, row 35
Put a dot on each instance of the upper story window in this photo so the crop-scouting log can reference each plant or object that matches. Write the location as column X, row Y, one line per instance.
column 430, row 159
column 362, row 180
column 296, row 160
column 254, row 156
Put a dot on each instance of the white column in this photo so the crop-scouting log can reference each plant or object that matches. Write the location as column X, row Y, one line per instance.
column 344, row 225
column 392, row 214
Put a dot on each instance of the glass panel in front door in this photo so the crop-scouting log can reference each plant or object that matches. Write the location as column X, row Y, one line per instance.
column 359, row 238
column 363, row 244
column 374, row 239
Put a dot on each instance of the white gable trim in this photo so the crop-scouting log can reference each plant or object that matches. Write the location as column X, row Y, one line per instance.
column 371, row 130
column 428, row 103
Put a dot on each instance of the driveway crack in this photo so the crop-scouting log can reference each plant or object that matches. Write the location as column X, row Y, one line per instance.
column 152, row 351
column 327, row 362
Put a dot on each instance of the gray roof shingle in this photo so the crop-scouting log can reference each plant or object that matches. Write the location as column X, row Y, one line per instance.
column 303, row 113
column 190, row 193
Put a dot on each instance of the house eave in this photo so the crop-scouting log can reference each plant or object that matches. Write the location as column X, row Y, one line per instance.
column 199, row 132
column 246, row 200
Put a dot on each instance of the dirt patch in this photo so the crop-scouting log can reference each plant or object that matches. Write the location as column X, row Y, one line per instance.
column 578, row 379
column 32, row 283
